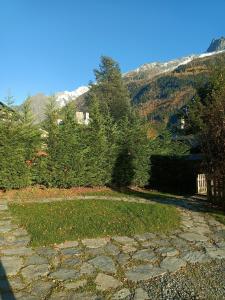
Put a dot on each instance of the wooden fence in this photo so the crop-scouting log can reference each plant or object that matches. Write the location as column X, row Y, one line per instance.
column 212, row 187
column 216, row 190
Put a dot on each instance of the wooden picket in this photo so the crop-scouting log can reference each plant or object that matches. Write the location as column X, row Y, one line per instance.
column 201, row 184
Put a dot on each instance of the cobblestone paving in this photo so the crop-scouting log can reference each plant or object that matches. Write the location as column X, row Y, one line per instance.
column 146, row 266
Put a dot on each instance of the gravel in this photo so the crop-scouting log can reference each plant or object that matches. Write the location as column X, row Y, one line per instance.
column 205, row 281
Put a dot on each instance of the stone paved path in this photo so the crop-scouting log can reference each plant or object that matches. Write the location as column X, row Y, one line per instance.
column 106, row 268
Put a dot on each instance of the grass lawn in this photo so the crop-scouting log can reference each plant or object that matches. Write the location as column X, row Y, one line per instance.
column 55, row 222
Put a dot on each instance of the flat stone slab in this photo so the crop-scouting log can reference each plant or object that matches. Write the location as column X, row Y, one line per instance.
column 16, row 283
column 128, row 248
column 164, row 251
column 87, row 269
column 41, row 288
column 179, row 243
column 96, row 251
column 71, row 262
column 18, row 251
column 103, row 263
column 47, row 252
column 35, row 260
column 5, row 222
column 65, row 274
column 193, row 237
column 67, row 244
column 95, row 243
column 195, row 257
column 220, row 234
column 141, row 294
column 21, row 241
column 123, row 258
column 72, row 296
column 145, row 255
column 6, row 229
column 112, row 249
column 75, row 285
column 188, row 223
column 125, row 240
column 145, row 236
column 121, row 294
column 156, row 243
column 10, row 265
column 172, row 264
column 221, row 244
column 216, row 253
column 202, row 229
column 105, row 282
column 144, row 272
column 70, row 251
column 34, row 272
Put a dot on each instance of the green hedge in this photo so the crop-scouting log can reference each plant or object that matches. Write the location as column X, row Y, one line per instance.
column 174, row 174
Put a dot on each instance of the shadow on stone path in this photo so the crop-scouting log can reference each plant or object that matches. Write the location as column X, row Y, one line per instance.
column 112, row 267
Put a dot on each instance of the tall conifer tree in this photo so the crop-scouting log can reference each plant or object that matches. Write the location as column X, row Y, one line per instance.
column 110, row 90
column 19, row 143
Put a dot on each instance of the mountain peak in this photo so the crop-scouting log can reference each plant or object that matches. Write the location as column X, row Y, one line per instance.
column 217, row 45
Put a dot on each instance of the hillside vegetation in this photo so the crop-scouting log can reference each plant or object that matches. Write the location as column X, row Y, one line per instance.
column 162, row 96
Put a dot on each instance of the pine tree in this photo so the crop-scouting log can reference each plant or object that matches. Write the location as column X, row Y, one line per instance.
column 110, row 90
column 128, row 159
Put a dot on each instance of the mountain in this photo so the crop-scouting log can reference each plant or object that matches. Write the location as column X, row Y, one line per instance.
column 158, row 89
column 217, row 45
column 62, row 98
column 39, row 101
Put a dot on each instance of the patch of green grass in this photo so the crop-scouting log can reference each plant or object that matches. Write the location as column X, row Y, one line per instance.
column 55, row 222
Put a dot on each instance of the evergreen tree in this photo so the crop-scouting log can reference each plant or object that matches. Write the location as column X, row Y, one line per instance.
column 101, row 148
column 110, row 90
column 207, row 115
column 164, row 144
column 44, row 165
column 19, row 142
column 31, row 133
column 132, row 165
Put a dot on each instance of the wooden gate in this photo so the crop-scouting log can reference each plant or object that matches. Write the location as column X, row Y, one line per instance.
column 201, row 184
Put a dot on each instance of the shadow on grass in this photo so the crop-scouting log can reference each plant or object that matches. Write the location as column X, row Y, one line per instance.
column 5, row 288
column 176, row 200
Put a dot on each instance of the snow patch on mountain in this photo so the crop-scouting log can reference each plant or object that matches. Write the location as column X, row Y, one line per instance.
column 62, row 98
column 156, row 68
column 211, row 53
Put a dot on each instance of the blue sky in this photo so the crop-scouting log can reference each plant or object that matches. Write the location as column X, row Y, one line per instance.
column 54, row 45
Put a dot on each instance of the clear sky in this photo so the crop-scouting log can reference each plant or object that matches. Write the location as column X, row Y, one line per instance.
column 54, row 45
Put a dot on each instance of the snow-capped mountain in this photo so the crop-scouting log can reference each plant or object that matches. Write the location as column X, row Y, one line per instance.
column 62, row 98
column 150, row 70
column 139, row 82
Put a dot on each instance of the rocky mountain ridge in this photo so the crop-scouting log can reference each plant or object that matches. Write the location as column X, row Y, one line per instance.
column 217, row 45
column 150, row 85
